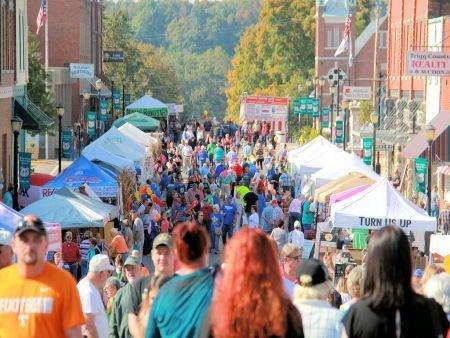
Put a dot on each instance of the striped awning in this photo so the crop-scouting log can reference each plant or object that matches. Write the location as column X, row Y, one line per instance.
column 443, row 170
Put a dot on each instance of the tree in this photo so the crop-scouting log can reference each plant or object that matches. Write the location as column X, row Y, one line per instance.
column 274, row 56
column 36, row 89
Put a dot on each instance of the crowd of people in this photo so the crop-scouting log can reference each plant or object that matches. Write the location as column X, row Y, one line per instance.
column 221, row 192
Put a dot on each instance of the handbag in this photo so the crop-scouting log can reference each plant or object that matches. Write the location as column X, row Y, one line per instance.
column 218, row 231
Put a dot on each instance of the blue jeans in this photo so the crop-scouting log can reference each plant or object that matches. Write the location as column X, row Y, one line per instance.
column 227, row 230
column 84, row 268
column 73, row 268
column 216, row 242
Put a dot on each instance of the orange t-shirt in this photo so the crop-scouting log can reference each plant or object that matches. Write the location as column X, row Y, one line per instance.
column 43, row 306
column 119, row 244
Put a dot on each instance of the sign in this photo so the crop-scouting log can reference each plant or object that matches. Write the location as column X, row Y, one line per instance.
column 67, row 146
column 116, row 99
column 339, row 131
column 421, row 171
column 81, row 70
column 357, row 93
column 104, row 110
column 264, row 108
column 307, row 248
column 326, row 113
column 91, row 120
column 428, row 63
column 315, row 108
column 127, row 99
column 24, row 170
column 367, row 145
column 113, row 56
column 296, row 103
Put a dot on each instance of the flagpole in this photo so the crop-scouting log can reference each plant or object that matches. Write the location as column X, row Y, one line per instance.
column 46, row 47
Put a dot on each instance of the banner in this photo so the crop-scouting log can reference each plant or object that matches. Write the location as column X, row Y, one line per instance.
column 315, row 108
column 326, row 112
column 367, row 145
column 91, row 121
column 116, row 99
column 81, row 70
column 296, row 103
column 421, row 174
column 104, row 110
column 24, row 170
column 428, row 63
column 127, row 99
column 339, row 131
column 67, row 146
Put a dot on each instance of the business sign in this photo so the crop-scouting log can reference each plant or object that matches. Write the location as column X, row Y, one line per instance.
column 24, row 170
column 113, row 56
column 116, row 99
column 357, row 93
column 104, row 110
column 421, row 171
column 67, row 145
column 91, row 120
column 264, row 108
column 367, row 145
column 428, row 63
column 326, row 113
column 339, row 131
column 81, row 70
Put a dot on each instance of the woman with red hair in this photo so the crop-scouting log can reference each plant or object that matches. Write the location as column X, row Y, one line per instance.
column 249, row 300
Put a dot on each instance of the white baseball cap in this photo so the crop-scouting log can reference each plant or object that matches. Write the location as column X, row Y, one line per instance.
column 100, row 263
column 297, row 224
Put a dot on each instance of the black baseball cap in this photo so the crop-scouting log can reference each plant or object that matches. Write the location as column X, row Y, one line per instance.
column 33, row 224
column 312, row 272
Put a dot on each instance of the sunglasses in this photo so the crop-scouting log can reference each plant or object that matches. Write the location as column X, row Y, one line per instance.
column 295, row 258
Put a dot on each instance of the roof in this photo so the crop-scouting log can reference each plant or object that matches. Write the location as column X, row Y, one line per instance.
column 147, row 102
column 336, row 8
column 367, row 33
column 141, row 121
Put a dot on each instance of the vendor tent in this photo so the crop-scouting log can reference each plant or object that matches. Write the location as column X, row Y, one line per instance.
column 379, row 206
column 97, row 153
column 138, row 120
column 83, row 171
column 71, row 210
column 340, row 168
column 149, row 106
column 343, row 183
column 340, row 196
column 309, row 148
column 138, row 136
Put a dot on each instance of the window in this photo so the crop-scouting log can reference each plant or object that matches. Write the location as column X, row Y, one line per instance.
column 337, row 40
column 382, row 42
column 329, row 43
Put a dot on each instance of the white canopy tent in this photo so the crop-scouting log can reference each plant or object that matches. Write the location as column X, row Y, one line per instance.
column 97, row 153
column 138, row 135
column 378, row 206
column 341, row 168
column 309, row 148
column 72, row 210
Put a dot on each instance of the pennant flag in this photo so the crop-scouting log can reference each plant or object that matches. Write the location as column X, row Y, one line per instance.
column 40, row 20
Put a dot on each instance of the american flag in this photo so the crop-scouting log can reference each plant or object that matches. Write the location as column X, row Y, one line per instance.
column 40, row 20
column 345, row 41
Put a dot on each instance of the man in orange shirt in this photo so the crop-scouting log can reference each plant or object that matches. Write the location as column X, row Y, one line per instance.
column 118, row 245
column 37, row 299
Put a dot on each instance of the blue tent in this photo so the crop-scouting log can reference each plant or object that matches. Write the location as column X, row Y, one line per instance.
column 83, row 171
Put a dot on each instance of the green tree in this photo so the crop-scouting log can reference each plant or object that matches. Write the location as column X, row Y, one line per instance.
column 37, row 77
column 276, row 55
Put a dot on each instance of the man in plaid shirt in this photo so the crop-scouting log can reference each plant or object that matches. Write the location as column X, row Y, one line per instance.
column 285, row 181
column 444, row 219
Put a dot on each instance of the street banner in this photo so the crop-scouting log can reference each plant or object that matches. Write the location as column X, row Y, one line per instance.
column 116, row 99
column 428, row 63
column 91, row 121
column 421, row 174
column 309, row 106
column 104, row 110
column 326, row 112
column 357, row 93
column 367, row 145
column 24, row 170
column 127, row 99
column 296, row 103
column 67, row 146
column 273, row 109
column 339, row 131
column 315, row 108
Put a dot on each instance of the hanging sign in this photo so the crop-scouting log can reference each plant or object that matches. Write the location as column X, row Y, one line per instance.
column 104, row 110
column 116, row 99
column 421, row 171
column 326, row 112
column 67, row 144
column 91, row 120
column 303, row 103
column 339, row 131
column 297, row 106
column 367, row 145
column 24, row 170
column 428, row 63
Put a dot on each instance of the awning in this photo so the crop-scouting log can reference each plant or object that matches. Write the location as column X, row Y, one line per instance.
column 33, row 117
column 418, row 144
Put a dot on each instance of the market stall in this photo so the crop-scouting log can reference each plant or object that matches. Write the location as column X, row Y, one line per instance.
column 140, row 121
column 138, row 136
column 309, row 148
column 33, row 193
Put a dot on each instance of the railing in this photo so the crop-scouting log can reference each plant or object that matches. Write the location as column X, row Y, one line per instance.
column 41, row 118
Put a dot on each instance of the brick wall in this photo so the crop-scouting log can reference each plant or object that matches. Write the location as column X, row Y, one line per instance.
column 445, row 81
column 5, row 134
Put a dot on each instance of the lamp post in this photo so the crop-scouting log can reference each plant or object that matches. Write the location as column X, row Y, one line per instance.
column 374, row 117
column 16, row 125
column 333, row 91
column 99, row 86
column 429, row 136
column 316, row 83
column 112, row 97
column 321, row 84
column 60, row 111
column 123, row 97
column 345, row 105
column 78, row 127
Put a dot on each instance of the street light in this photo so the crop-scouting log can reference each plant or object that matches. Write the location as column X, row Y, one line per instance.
column 345, row 105
column 321, row 84
column 60, row 111
column 99, row 86
column 316, row 83
column 16, row 126
column 333, row 91
column 374, row 118
column 430, row 132
column 78, row 127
